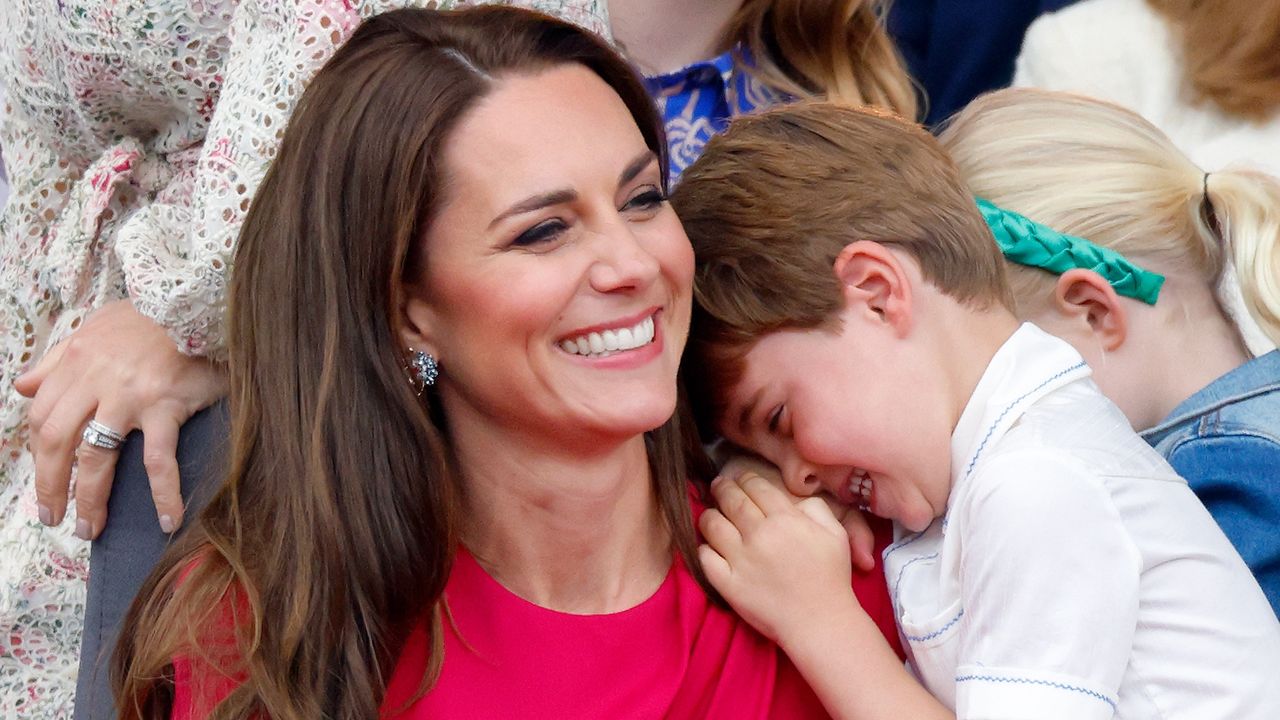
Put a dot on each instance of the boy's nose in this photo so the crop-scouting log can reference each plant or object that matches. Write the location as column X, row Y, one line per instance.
column 802, row 481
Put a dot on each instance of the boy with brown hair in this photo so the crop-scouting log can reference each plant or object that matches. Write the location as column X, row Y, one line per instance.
column 852, row 325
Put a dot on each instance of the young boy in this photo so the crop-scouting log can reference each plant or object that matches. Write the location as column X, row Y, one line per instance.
column 853, row 327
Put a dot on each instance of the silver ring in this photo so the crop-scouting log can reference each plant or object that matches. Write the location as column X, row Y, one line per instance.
column 101, row 436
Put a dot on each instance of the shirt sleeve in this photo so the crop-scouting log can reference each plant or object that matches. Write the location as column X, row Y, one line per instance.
column 1233, row 474
column 176, row 252
column 1050, row 592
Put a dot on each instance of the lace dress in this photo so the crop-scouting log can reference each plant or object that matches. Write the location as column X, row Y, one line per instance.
column 135, row 133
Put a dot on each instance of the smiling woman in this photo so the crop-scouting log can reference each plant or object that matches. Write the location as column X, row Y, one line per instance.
column 486, row 188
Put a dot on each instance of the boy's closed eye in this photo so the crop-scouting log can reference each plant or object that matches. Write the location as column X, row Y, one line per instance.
column 775, row 418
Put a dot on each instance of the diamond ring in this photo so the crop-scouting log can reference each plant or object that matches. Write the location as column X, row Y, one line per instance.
column 101, row 436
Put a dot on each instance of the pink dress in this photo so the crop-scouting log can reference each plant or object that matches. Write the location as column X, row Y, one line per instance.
column 675, row 655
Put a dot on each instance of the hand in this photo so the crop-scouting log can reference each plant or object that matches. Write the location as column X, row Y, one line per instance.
column 782, row 565
column 121, row 369
column 862, row 540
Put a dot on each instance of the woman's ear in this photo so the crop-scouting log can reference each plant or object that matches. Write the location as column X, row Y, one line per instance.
column 417, row 322
column 1087, row 298
column 875, row 284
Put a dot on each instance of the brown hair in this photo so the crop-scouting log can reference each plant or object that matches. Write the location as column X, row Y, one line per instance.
column 1096, row 170
column 1229, row 52
column 773, row 201
column 838, row 49
column 336, row 528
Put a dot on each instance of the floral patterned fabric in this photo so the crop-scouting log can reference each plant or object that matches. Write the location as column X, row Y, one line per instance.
column 135, row 133
column 698, row 101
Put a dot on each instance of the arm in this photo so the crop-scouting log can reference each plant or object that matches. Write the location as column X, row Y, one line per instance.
column 785, row 568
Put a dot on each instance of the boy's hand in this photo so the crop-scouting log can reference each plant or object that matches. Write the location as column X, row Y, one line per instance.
column 783, row 566
column 861, row 539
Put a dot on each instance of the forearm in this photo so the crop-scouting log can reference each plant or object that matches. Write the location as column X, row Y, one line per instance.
column 855, row 674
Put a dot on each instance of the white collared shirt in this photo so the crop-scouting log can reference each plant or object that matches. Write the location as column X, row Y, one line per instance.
column 1074, row 574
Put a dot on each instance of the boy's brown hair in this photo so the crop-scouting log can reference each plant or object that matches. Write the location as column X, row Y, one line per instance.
column 773, row 201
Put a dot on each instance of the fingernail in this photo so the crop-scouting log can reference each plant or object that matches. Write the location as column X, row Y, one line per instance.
column 166, row 524
column 84, row 530
column 46, row 515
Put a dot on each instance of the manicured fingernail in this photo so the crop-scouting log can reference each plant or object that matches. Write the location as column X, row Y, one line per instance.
column 46, row 515
column 84, row 530
column 166, row 524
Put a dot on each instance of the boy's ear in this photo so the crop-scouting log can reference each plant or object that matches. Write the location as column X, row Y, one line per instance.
column 875, row 283
column 1085, row 296
column 417, row 320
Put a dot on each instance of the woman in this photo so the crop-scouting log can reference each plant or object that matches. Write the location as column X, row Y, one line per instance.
column 134, row 134
column 513, row 534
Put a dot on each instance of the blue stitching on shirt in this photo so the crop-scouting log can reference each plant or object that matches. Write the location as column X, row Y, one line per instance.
column 894, row 548
column 939, row 631
column 977, row 453
column 903, row 569
column 991, row 430
column 1045, row 683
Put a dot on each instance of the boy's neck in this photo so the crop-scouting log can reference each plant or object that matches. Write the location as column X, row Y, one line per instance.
column 968, row 339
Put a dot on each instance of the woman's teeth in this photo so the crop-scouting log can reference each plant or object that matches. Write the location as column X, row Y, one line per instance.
column 860, row 487
column 607, row 342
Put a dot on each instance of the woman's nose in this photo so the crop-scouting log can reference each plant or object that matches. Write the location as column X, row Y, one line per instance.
column 623, row 262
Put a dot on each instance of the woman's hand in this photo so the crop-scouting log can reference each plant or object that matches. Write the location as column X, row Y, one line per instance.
column 782, row 565
column 862, row 540
column 120, row 369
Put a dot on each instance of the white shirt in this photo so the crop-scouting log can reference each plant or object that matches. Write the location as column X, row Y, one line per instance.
column 1074, row 575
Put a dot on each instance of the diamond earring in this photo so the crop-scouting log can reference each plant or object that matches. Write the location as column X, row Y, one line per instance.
column 424, row 367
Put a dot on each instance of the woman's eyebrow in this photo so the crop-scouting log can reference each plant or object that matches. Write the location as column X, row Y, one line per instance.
column 536, row 202
column 642, row 161
column 559, row 197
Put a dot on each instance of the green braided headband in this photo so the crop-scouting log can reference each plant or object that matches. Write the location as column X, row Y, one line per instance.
column 1027, row 242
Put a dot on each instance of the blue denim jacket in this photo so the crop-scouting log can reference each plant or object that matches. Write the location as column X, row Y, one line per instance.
column 1225, row 440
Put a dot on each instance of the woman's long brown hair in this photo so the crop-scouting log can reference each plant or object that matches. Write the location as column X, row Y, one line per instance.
column 335, row 531
column 836, row 49
column 1230, row 52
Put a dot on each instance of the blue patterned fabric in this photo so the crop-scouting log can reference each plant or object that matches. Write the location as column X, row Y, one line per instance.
column 697, row 102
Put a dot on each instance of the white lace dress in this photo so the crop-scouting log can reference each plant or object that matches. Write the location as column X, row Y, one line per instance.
column 135, row 133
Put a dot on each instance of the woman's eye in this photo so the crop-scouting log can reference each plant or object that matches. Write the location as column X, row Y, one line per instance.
column 646, row 200
column 540, row 233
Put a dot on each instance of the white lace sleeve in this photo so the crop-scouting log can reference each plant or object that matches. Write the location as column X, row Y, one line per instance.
column 176, row 255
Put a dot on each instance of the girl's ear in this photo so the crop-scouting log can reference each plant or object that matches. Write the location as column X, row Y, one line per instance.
column 1086, row 297
column 875, row 285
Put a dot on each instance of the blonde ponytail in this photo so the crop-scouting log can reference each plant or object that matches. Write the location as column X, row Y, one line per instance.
column 837, row 49
column 1246, row 206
